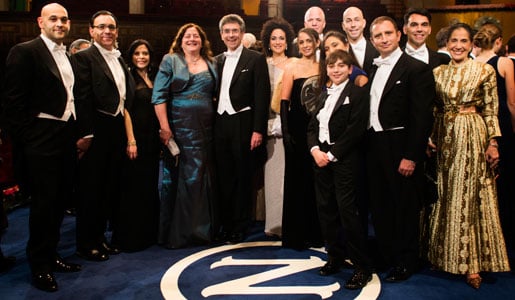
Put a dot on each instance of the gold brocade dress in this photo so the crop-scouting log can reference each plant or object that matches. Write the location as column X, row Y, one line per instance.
column 465, row 232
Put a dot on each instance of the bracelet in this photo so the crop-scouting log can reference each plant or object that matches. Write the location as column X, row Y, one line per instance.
column 131, row 143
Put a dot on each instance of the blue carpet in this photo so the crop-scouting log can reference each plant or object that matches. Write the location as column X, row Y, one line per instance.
column 256, row 269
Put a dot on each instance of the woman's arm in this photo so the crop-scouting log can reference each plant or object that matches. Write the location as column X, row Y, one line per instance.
column 165, row 133
column 132, row 148
column 505, row 66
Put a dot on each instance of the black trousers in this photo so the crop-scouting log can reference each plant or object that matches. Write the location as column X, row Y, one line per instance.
column 51, row 157
column 233, row 164
column 99, row 181
column 336, row 191
column 395, row 200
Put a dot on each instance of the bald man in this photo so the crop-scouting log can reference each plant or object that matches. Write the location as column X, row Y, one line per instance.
column 313, row 18
column 40, row 115
column 354, row 24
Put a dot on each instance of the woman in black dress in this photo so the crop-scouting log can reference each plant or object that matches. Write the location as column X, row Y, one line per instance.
column 301, row 227
column 138, row 219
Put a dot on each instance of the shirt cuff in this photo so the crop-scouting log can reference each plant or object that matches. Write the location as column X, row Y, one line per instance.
column 331, row 157
column 313, row 148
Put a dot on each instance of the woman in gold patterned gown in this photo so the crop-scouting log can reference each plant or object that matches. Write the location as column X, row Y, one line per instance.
column 465, row 233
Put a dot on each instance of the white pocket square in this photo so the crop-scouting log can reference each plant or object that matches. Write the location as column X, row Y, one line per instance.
column 244, row 70
column 346, row 101
column 398, row 82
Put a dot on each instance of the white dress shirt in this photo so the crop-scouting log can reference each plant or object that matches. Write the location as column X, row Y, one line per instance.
column 385, row 67
column 324, row 115
column 421, row 53
column 231, row 60
column 111, row 58
column 358, row 49
column 58, row 52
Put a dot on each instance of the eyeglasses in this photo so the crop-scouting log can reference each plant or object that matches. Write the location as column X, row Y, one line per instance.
column 111, row 27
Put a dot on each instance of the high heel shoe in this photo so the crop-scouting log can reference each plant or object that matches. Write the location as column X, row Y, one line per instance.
column 474, row 282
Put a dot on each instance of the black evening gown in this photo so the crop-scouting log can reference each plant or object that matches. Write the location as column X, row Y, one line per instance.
column 139, row 210
column 301, row 227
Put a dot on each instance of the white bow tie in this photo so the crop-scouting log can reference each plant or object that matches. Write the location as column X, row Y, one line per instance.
column 230, row 54
column 358, row 47
column 114, row 53
column 417, row 52
column 60, row 48
column 379, row 61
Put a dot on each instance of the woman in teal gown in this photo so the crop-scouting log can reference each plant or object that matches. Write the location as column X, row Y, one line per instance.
column 183, row 98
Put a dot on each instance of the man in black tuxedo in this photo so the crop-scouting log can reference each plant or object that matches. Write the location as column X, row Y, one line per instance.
column 103, row 88
column 240, row 124
column 39, row 113
column 417, row 27
column 354, row 24
column 334, row 133
column 402, row 90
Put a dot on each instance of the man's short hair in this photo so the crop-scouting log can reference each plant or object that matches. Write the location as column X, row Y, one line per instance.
column 382, row 19
column 232, row 18
column 419, row 11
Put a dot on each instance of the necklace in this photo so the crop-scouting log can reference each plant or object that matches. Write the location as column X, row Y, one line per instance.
column 275, row 63
column 195, row 61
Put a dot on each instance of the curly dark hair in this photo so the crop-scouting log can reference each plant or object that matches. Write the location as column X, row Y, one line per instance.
column 271, row 25
column 205, row 51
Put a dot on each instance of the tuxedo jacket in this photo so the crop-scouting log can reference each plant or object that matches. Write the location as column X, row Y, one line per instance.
column 95, row 88
column 348, row 121
column 32, row 85
column 250, row 86
column 437, row 58
column 407, row 101
column 370, row 54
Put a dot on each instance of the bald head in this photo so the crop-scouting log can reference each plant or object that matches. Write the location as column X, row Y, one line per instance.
column 353, row 23
column 315, row 18
column 54, row 22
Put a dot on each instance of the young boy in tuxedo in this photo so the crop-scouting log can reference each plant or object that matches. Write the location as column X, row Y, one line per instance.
column 334, row 132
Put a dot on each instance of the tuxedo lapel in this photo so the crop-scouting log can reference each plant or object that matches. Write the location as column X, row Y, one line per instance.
column 345, row 93
column 101, row 62
column 242, row 62
column 47, row 59
column 397, row 72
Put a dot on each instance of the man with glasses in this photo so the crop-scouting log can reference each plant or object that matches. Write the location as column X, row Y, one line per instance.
column 240, row 125
column 39, row 113
column 103, row 89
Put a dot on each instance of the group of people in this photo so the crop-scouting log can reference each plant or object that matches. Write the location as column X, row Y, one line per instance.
column 340, row 126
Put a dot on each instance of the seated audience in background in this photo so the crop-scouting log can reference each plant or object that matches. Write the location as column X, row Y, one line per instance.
column 77, row 45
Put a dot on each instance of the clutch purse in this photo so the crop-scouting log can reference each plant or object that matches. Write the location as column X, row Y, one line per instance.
column 172, row 146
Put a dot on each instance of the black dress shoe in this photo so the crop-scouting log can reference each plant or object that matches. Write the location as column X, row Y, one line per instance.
column 222, row 237
column 359, row 279
column 63, row 267
column 7, row 263
column 398, row 274
column 45, row 282
column 111, row 249
column 93, row 254
column 236, row 238
column 332, row 266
